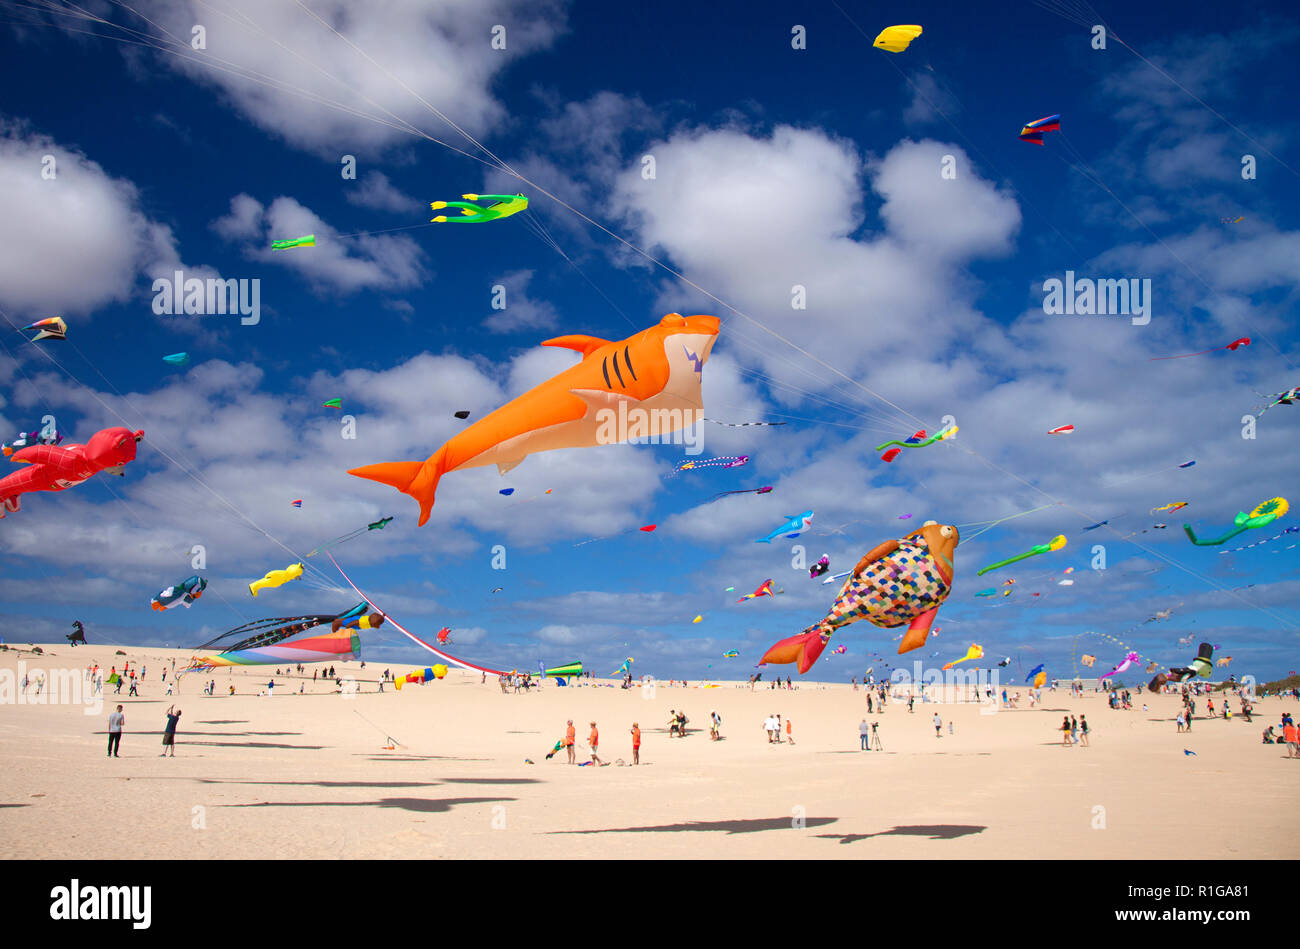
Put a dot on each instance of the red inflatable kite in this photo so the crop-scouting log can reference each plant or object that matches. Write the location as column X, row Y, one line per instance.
column 56, row 468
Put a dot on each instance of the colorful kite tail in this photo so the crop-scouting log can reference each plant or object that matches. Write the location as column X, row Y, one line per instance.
column 803, row 649
column 419, row 479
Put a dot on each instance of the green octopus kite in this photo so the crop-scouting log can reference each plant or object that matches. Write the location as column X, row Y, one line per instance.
column 503, row 205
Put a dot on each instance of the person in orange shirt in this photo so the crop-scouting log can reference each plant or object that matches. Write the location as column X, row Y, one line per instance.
column 1292, row 741
column 636, row 743
column 788, row 737
column 594, row 741
column 570, row 735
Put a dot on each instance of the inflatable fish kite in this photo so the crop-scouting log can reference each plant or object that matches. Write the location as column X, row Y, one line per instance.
column 647, row 384
column 793, row 527
column 54, row 468
column 899, row 582
column 276, row 578
column 184, row 593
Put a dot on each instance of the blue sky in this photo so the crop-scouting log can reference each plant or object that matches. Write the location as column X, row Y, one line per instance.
column 775, row 167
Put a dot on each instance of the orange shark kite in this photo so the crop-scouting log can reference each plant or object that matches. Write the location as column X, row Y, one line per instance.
column 645, row 385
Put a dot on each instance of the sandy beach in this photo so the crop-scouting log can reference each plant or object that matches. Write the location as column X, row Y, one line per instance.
column 307, row 775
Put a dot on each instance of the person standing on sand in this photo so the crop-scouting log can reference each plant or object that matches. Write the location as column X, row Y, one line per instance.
column 938, row 726
column 788, row 736
column 1083, row 730
column 910, row 700
column 169, row 733
column 593, row 740
column 1065, row 731
column 115, row 723
column 868, row 703
column 636, row 743
column 864, row 731
column 570, row 735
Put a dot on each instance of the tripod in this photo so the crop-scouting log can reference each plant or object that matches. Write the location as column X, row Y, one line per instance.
column 876, row 744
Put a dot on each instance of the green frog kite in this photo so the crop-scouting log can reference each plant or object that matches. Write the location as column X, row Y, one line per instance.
column 502, row 205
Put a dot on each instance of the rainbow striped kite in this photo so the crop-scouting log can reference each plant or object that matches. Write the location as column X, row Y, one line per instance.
column 331, row 647
column 1033, row 132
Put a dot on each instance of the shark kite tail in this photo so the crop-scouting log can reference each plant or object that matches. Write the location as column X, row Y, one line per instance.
column 419, row 479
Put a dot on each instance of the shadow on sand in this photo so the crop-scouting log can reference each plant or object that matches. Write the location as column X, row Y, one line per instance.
column 417, row 805
column 727, row 826
column 930, row 831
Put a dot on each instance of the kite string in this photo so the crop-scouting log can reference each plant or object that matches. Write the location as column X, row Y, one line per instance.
column 506, row 168
column 1009, row 517
column 154, row 442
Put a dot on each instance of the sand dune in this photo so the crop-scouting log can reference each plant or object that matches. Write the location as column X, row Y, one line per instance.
column 307, row 776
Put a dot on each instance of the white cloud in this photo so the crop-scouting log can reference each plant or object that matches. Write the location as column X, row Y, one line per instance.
column 342, row 263
column 78, row 241
column 373, row 190
column 294, row 76
column 521, row 311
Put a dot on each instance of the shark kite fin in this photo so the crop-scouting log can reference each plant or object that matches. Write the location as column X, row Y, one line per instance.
column 578, row 343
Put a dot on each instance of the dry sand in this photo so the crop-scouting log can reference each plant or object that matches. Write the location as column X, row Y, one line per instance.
column 306, row 776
